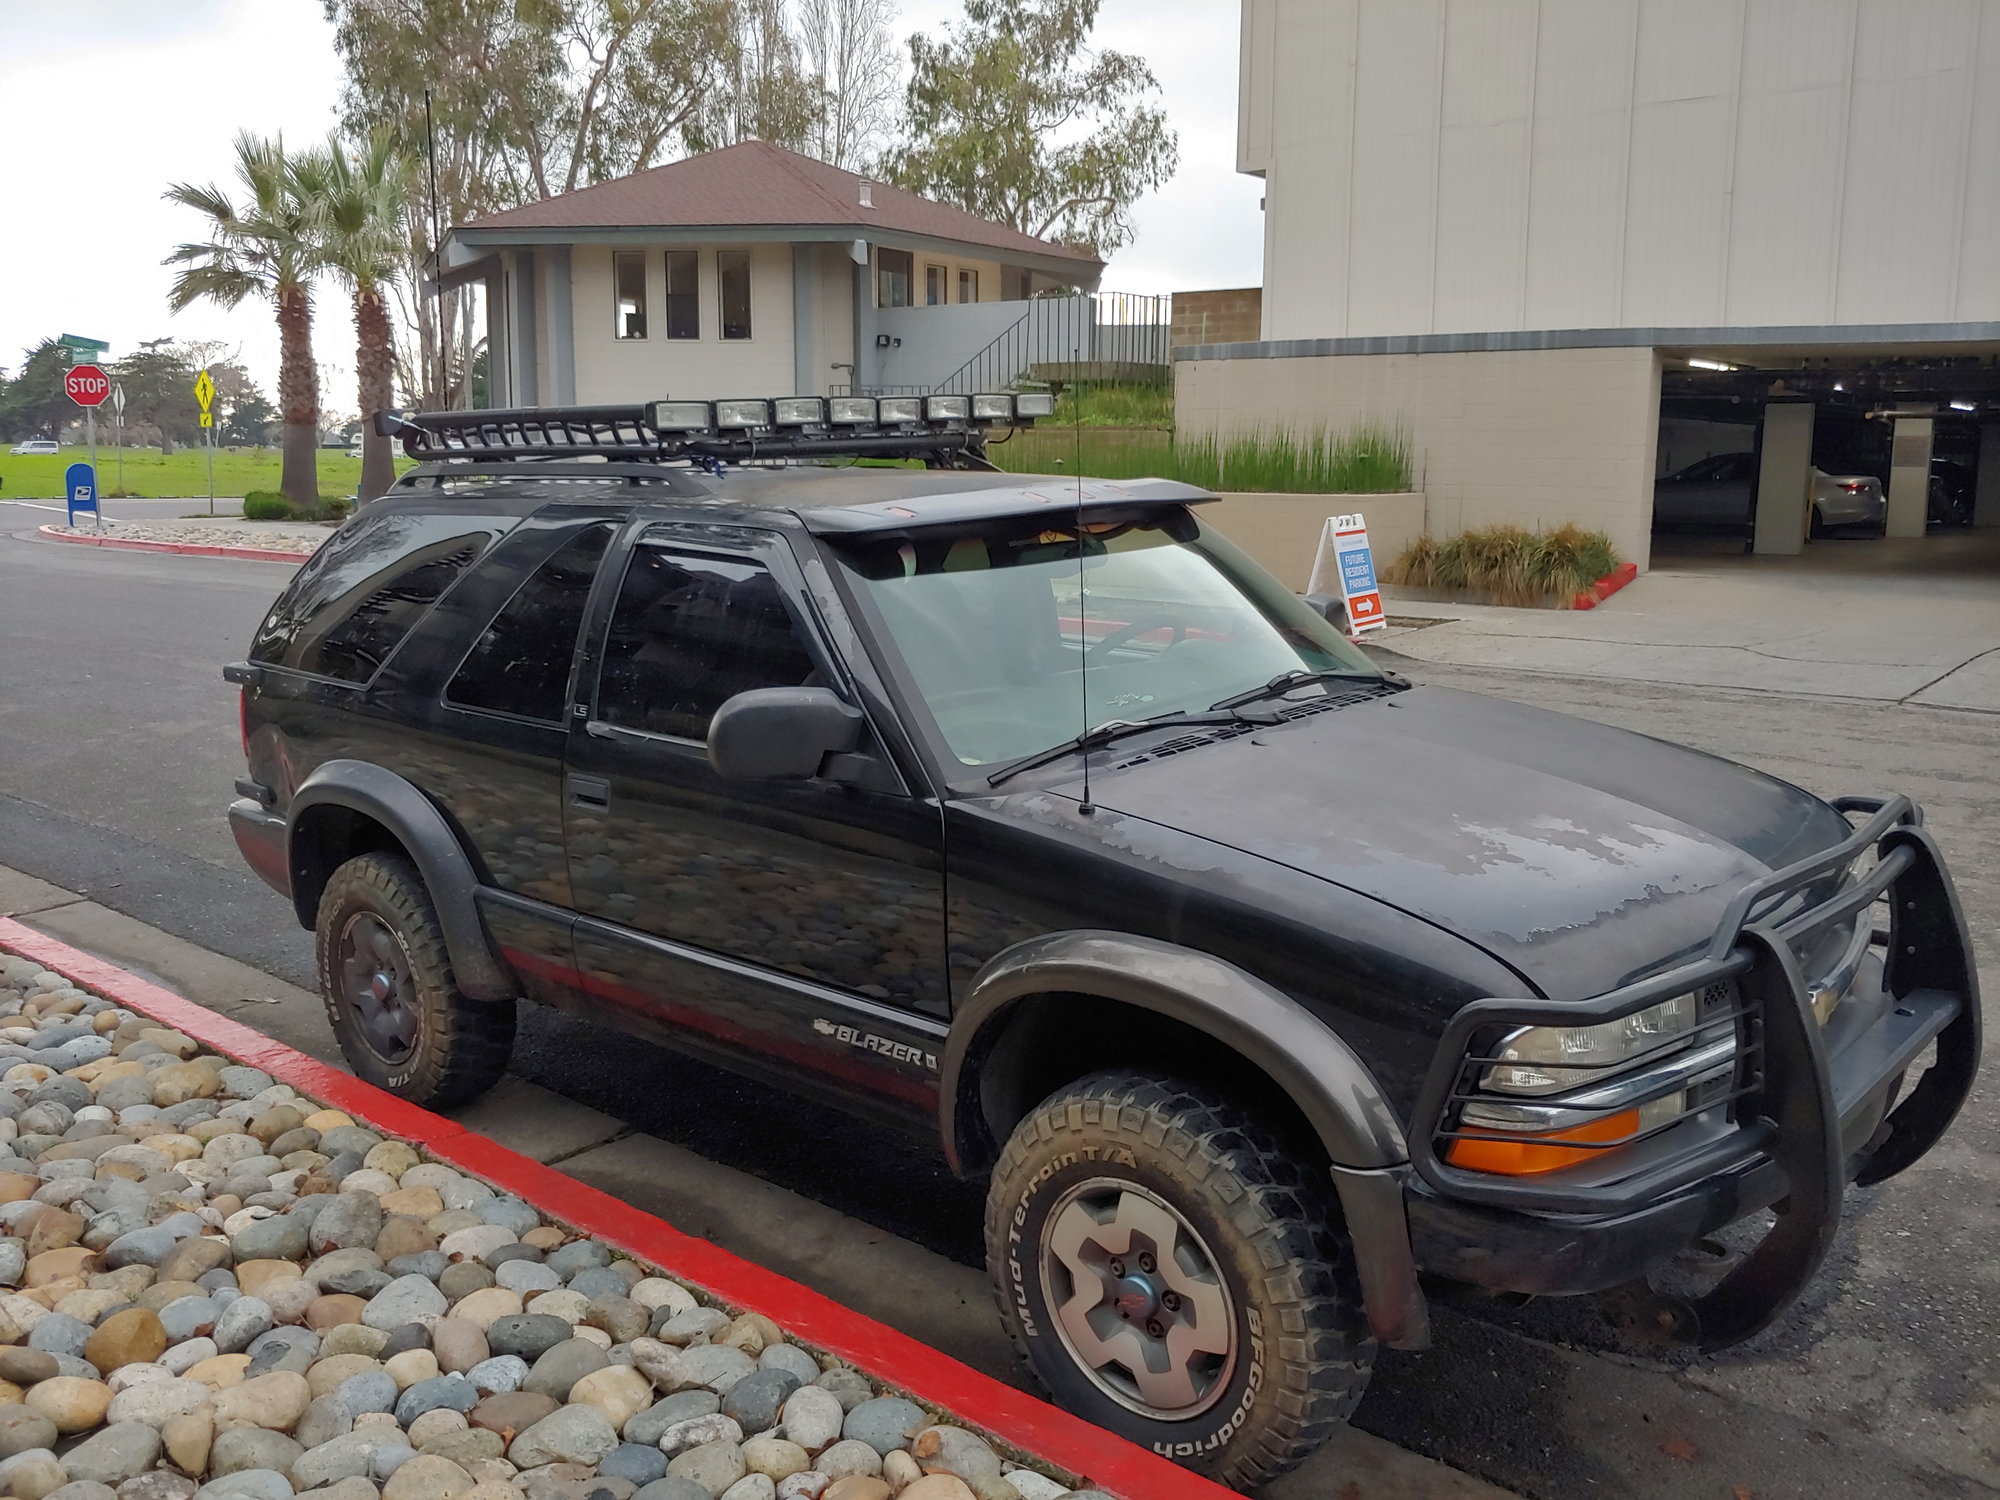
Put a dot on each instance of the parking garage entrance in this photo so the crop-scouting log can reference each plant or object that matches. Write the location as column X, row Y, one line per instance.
column 1888, row 453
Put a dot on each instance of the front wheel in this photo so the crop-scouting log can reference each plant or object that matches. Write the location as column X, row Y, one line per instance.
column 1169, row 1272
column 385, row 975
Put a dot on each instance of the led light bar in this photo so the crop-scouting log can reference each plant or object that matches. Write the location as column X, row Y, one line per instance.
column 742, row 414
column 948, row 408
column 853, row 410
column 901, row 408
column 993, row 408
column 682, row 416
column 800, row 411
column 1033, row 404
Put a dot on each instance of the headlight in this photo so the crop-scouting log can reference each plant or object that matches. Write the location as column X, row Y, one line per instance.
column 1593, row 1088
column 1542, row 1059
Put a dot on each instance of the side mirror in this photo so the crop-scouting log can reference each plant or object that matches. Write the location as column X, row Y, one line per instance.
column 1331, row 608
column 780, row 733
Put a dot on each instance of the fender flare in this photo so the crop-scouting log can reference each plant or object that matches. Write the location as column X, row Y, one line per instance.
column 1293, row 1047
column 420, row 827
column 1301, row 1054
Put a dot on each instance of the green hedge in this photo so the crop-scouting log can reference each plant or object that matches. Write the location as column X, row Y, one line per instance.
column 270, row 505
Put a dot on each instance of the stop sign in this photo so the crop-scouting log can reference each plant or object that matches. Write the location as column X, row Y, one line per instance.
column 86, row 385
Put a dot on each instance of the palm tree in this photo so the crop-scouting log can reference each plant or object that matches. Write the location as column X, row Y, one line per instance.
column 263, row 249
column 360, row 230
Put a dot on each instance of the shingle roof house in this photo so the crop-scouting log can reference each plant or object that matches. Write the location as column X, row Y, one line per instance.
column 746, row 271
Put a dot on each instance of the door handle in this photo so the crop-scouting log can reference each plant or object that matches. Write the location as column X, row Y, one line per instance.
column 592, row 792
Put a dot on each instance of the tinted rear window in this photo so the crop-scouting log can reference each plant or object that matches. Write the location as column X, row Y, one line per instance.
column 353, row 603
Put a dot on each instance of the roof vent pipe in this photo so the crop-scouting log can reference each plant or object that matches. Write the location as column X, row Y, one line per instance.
column 867, row 193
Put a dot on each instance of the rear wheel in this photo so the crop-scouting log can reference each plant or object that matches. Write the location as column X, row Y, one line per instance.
column 1169, row 1272
column 385, row 976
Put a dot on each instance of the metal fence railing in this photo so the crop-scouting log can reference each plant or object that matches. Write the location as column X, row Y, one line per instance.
column 1102, row 335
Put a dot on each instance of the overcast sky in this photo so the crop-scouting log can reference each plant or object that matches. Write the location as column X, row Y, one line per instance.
column 126, row 96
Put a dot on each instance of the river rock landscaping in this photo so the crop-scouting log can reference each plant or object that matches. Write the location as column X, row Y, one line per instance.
column 212, row 1287
column 270, row 536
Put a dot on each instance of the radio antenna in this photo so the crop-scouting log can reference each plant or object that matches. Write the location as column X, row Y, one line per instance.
column 437, row 255
column 1082, row 584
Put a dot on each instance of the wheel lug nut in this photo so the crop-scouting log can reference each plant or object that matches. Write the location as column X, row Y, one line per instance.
column 1171, row 1301
column 1118, row 1268
column 1155, row 1328
column 1146, row 1264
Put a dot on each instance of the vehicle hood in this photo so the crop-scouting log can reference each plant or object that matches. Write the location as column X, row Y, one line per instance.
column 1580, row 855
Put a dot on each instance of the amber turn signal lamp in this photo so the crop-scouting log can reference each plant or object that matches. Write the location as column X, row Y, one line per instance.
column 1513, row 1158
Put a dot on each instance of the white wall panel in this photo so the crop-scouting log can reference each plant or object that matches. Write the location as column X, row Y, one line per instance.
column 1445, row 166
column 1394, row 190
column 1785, row 210
column 1976, row 297
column 1676, row 212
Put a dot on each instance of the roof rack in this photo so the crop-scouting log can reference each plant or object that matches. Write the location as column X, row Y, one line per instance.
column 942, row 431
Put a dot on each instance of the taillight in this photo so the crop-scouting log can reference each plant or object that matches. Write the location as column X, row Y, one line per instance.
column 1851, row 487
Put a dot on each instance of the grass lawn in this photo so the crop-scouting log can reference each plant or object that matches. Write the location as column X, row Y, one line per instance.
column 152, row 475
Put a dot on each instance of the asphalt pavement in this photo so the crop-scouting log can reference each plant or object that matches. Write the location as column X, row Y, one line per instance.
column 118, row 741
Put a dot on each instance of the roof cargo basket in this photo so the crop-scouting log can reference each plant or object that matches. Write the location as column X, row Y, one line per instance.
column 940, row 431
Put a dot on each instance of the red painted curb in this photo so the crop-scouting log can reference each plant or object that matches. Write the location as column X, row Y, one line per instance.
column 1017, row 1419
column 1606, row 586
column 188, row 549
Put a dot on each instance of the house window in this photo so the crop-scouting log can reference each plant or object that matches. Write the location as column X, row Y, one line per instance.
column 732, row 271
column 893, row 270
column 934, row 286
column 628, row 273
column 968, row 285
column 683, row 294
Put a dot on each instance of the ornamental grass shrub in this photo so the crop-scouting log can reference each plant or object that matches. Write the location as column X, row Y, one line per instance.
column 1509, row 564
column 1368, row 459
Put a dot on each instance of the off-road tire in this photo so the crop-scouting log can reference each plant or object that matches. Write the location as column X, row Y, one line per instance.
column 462, row 1045
column 1303, row 1348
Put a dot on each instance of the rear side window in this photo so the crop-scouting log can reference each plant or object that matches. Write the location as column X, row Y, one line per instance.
column 689, row 632
column 362, row 592
column 520, row 664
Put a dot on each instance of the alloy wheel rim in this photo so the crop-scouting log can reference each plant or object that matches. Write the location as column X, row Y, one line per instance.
column 1138, row 1299
column 377, row 986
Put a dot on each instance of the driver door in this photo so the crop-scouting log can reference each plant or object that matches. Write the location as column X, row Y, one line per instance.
column 769, row 926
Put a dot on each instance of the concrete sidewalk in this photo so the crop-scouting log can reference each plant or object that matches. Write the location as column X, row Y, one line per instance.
column 1885, row 621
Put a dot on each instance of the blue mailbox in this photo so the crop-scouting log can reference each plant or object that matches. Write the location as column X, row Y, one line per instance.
column 80, row 485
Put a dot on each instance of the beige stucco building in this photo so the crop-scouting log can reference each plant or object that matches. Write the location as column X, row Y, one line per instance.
column 1529, row 230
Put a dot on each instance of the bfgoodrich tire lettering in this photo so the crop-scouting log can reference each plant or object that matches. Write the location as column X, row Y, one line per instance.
column 411, row 1032
column 1301, row 1354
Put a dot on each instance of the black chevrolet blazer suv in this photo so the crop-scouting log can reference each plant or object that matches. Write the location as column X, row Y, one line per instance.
column 1271, row 993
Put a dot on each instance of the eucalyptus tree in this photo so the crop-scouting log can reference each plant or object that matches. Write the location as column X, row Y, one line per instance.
column 1013, row 116
column 260, row 244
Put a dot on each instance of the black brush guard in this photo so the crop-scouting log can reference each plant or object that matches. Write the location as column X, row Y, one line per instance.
column 1784, row 1110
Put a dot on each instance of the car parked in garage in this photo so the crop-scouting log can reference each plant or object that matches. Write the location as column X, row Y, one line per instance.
column 1720, row 493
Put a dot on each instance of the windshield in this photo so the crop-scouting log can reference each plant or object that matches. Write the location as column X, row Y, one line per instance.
column 996, row 627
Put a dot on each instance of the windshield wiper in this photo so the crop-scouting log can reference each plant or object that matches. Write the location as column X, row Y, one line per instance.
column 1284, row 682
column 1118, row 729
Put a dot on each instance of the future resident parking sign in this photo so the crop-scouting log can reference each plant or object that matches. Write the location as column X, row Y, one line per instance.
column 1346, row 537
